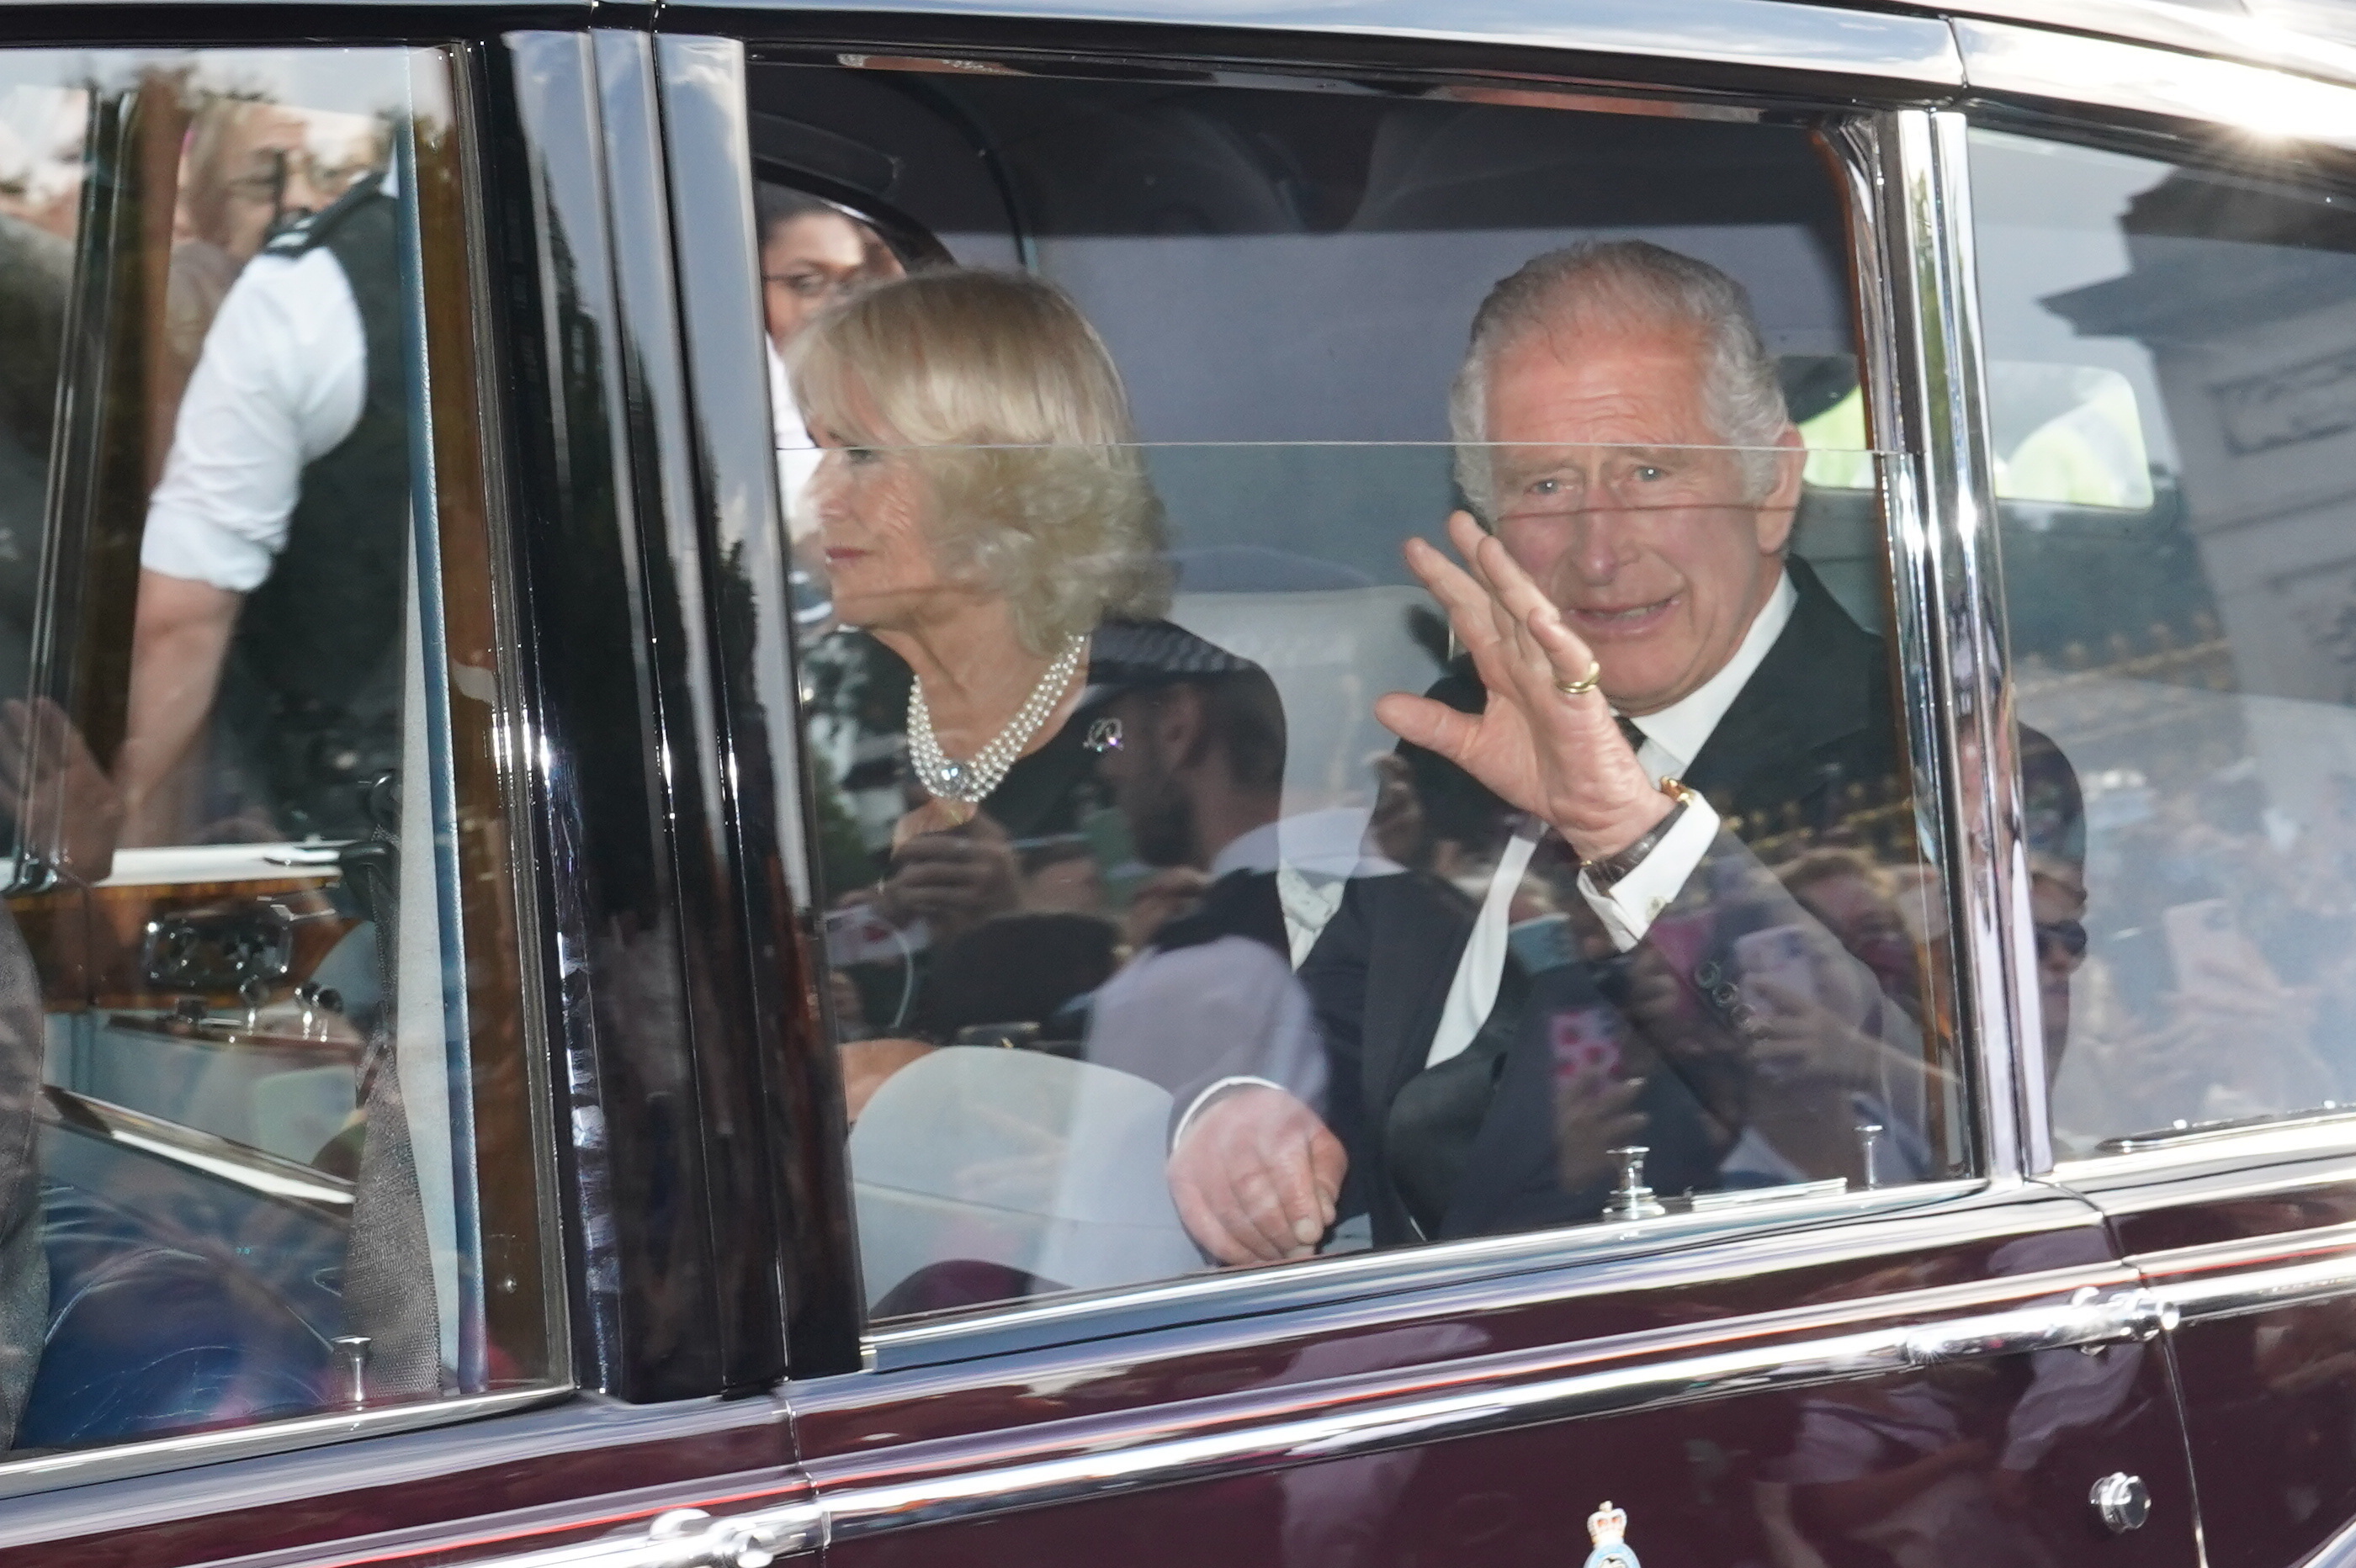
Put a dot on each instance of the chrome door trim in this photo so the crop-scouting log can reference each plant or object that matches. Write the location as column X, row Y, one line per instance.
column 688, row 1538
column 2262, row 1274
column 1768, row 34
column 1945, row 534
column 2081, row 72
column 160, row 1454
column 1220, row 1438
column 1371, row 1286
column 249, row 1169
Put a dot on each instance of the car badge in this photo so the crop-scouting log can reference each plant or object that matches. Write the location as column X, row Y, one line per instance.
column 1104, row 735
column 1607, row 1527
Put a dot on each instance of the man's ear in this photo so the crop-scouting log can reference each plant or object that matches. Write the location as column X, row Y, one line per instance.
column 1181, row 724
column 1782, row 499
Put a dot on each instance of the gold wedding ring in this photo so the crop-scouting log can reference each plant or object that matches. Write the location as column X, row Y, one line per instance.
column 1584, row 684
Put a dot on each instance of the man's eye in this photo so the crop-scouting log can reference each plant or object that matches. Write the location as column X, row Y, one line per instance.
column 1648, row 472
column 1547, row 487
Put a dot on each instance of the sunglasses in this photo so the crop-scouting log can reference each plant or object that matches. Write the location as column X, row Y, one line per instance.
column 2061, row 939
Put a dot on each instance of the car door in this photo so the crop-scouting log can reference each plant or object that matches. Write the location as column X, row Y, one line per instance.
column 1278, row 236
column 2173, row 441
column 388, row 1153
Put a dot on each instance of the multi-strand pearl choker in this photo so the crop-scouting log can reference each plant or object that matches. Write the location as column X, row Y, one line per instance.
column 946, row 778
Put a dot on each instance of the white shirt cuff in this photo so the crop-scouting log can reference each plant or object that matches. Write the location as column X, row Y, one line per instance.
column 181, row 544
column 1211, row 1094
column 1638, row 899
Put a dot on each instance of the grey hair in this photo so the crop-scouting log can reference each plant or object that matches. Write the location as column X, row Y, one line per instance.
column 1620, row 282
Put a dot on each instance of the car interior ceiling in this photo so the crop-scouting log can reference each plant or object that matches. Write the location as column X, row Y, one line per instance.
column 1271, row 265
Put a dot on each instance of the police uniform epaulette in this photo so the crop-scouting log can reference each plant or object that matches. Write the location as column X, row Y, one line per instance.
column 312, row 229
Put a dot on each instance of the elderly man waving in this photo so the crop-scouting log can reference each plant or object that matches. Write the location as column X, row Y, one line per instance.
column 1640, row 647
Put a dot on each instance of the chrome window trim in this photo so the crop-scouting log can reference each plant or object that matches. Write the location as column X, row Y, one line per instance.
column 2267, row 106
column 1894, row 225
column 1228, row 1436
column 2176, row 27
column 2185, row 1133
column 2272, row 1145
column 1947, row 536
column 125, row 1460
column 1380, row 1282
column 1762, row 35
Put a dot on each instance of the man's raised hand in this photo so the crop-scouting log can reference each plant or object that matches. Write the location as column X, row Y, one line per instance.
column 1553, row 752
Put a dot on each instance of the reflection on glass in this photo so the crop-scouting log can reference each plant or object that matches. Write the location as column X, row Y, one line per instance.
column 264, row 1186
column 2198, row 944
column 1154, row 949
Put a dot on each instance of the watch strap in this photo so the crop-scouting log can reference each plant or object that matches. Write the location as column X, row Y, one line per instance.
column 1610, row 869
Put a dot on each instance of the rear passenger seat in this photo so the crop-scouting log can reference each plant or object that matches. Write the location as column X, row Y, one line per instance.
column 178, row 1300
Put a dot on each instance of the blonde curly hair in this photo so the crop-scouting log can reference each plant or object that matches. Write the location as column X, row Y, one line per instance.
column 1001, row 394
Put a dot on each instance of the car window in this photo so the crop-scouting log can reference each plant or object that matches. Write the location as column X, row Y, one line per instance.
column 2171, row 351
column 1153, row 951
column 267, row 1143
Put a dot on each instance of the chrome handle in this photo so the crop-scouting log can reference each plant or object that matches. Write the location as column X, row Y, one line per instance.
column 2122, row 1501
column 2089, row 1322
column 1631, row 1199
column 690, row 1538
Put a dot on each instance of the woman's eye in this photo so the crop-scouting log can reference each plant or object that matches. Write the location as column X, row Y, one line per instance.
column 860, row 454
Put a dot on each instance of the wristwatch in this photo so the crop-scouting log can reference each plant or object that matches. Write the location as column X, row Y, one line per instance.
column 1612, row 868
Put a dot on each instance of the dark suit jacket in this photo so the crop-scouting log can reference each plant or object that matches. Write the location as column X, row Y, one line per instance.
column 1816, row 717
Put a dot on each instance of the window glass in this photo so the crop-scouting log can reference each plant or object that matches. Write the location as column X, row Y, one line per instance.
column 1153, row 951
column 2181, row 632
column 267, row 1144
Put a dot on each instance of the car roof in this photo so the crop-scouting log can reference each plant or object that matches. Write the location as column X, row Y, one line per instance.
column 2311, row 37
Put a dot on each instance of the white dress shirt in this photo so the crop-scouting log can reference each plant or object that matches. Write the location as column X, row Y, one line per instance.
column 278, row 385
column 1674, row 737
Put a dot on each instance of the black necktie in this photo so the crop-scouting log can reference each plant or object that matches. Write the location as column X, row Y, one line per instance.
column 1628, row 728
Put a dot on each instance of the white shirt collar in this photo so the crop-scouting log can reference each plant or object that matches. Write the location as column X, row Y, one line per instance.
column 1682, row 729
column 1252, row 851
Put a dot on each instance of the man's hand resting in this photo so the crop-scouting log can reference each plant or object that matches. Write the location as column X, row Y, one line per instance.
column 1256, row 1176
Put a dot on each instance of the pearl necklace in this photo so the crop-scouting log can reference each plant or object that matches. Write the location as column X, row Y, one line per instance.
column 971, row 782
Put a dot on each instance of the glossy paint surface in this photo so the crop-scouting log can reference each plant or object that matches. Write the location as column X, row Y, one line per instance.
column 788, row 1070
column 586, row 1460
column 1918, row 1456
column 733, row 1318
column 2268, row 1378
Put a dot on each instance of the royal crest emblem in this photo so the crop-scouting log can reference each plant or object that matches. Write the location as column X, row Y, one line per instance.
column 1607, row 1527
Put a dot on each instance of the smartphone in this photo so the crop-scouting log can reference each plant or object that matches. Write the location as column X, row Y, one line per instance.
column 1586, row 1042
column 1781, row 954
column 1541, row 944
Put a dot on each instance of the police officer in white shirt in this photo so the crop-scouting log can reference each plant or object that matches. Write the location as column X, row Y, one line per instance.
column 273, row 569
